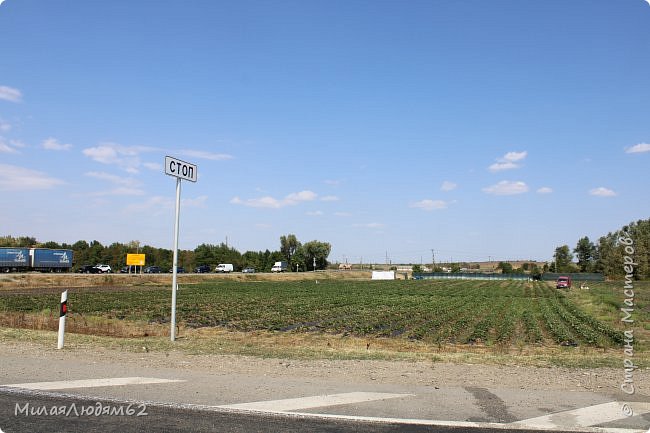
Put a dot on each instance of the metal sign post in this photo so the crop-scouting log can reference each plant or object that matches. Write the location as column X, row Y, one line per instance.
column 180, row 170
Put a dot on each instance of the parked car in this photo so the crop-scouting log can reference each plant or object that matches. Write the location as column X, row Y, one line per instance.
column 152, row 270
column 88, row 269
column 563, row 283
column 104, row 269
column 248, row 271
column 179, row 270
column 133, row 269
column 203, row 269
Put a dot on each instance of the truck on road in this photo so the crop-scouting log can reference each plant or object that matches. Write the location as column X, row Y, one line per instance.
column 35, row 259
column 280, row 267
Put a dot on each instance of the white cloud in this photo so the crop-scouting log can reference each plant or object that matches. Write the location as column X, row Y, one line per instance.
column 5, row 148
column 314, row 213
column 508, row 161
column 125, row 157
column 13, row 178
column 506, row 187
column 10, row 94
column 296, row 197
column 329, row 198
column 602, row 192
column 4, row 126
column 545, row 190
column 128, row 157
column 515, row 156
column 500, row 166
column 126, row 186
column 430, row 205
column 448, row 186
column 271, row 202
column 53, row 144
column 206, row 155
column 638, row 148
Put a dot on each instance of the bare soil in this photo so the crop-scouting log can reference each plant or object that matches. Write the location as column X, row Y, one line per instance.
column 53, row 282
column 601, row 380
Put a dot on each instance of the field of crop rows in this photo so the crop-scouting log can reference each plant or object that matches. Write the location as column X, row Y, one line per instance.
column 465, row 312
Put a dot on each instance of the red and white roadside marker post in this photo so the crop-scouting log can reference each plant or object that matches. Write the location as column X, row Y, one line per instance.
column 63, row 311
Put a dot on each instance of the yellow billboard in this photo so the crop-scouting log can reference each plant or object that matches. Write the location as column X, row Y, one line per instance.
column 135, row 259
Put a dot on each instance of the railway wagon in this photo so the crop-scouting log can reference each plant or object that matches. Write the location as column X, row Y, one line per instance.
column 35, row 259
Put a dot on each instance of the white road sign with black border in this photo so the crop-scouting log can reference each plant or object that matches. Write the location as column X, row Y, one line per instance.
column 178, row 168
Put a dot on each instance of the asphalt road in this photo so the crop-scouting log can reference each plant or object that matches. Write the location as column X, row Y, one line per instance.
column 19, row 414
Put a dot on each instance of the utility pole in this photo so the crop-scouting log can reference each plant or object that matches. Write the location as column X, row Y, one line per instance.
column 433, row 261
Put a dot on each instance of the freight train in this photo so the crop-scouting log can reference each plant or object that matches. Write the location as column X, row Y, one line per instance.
column 35, row 259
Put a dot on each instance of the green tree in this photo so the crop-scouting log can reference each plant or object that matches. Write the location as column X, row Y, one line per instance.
column 288, row 246
column 610, row 256
column 505, row 267
column 585, row 251
column 300, row 260
column 319, row 251
column 562, row 259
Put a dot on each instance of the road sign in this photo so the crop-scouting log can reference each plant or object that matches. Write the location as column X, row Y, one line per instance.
column 135, row 259
column 181, row 169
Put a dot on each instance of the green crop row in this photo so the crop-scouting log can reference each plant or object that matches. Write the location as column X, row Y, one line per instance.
column 440, row 311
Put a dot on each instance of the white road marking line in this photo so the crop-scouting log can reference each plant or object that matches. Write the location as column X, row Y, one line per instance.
column 585, row 416
column 311, row 402
column 90, row 383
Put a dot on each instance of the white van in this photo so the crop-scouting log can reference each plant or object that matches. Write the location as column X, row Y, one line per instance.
column 280, row 267
column 224, row 267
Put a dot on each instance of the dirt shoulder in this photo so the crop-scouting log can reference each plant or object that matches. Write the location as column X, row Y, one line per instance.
column 601, row 380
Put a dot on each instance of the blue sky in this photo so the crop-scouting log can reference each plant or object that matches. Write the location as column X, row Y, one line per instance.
column 480, row 129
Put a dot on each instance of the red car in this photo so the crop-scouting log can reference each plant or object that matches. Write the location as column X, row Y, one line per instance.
column 563, row 283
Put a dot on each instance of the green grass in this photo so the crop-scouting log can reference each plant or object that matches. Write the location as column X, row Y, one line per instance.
column 504, row 313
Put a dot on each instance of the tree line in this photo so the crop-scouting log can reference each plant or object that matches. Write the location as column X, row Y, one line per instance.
column 606, row 255
column 299, row 257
